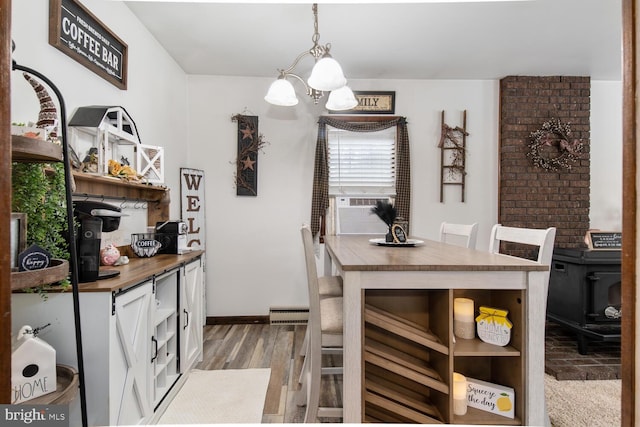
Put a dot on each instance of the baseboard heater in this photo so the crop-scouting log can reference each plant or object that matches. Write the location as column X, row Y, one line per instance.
column 288, row 316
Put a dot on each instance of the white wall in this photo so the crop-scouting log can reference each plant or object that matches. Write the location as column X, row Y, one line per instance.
column 606, row 155
column 254, row 250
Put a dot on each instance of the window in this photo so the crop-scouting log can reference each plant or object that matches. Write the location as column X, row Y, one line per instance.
column 361, row 175
column 362, row 162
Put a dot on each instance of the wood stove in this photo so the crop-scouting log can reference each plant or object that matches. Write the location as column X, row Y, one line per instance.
column 584, row 294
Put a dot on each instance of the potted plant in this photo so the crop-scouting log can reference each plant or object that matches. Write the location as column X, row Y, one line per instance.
column 38, row 190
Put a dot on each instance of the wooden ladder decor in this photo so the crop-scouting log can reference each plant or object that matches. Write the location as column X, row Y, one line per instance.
column 453, row 143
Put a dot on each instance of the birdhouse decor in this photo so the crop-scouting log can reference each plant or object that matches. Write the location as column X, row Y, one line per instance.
column 104, row 136
column 493, row 326
column 33, row 367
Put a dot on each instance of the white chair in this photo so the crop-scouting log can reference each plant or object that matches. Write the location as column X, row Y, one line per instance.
column 541, row 238
column 544, row 240
column 324, row 332
column 329, row 286
column 458, row 233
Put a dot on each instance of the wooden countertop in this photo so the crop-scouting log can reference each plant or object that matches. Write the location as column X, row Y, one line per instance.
column 138, row 270
column 356, row 253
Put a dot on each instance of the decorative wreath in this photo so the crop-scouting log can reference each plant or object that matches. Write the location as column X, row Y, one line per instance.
column 552, row 148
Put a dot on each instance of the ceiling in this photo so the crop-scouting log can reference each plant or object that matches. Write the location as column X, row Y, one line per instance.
column 393, row 40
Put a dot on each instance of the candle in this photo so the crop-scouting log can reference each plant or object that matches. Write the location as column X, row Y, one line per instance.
column 463, row 318
column 459, row 394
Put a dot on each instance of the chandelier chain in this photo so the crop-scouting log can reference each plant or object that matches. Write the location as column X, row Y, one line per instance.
column 316, row 35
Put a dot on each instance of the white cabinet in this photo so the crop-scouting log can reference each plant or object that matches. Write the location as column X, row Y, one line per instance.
column 137, row 340
column 164, row 338
column 116, row 335
column 129, row 349
column 191, row 313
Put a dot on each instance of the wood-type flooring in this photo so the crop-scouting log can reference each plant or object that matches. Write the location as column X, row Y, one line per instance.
column 269, row 346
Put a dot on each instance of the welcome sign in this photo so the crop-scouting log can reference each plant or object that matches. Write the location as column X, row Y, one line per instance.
column 75, row 31
column 192, row 206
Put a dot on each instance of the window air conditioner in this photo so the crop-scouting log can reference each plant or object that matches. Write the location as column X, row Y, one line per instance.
column 354, row 216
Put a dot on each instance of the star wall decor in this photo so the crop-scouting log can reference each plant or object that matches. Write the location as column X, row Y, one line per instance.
column 248, row 163
column 247, row 133
column 249, row 143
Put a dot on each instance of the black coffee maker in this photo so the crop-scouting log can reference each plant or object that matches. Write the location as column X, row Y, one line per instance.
column 93, row 218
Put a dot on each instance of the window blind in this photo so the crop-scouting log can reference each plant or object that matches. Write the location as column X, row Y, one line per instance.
column 361, row 162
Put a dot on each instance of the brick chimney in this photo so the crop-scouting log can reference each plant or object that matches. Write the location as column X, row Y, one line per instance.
column 530, row 196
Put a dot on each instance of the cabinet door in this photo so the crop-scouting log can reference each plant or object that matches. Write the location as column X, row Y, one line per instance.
column 191, row 307
column 130, row 355
column 164, row 351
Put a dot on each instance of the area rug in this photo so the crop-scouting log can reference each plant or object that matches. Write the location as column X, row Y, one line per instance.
column 592, row 403
column 220, row 397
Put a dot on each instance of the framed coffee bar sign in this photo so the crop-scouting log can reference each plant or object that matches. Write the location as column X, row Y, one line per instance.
column 79, row 34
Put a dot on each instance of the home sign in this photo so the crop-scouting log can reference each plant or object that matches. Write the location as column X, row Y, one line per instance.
column 493, row 326
column 33, row 367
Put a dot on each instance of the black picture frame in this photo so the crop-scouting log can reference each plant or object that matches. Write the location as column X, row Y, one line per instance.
column 604, row 240
column 79, row 34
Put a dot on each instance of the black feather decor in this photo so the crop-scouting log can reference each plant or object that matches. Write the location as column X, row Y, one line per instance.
column 385, row 211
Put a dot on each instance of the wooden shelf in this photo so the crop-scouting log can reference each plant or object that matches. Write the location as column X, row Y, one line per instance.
column 412, row 411
column 32, row 150
column 477, row 347
column 479, row 417
column 402, row 364
column 403, row 328
column 408, row 364
column 101, row 185
column 59, row 270
column 93, row 185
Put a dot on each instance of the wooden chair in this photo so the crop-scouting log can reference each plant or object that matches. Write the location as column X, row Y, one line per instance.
column 324, row 332
column 459, row 231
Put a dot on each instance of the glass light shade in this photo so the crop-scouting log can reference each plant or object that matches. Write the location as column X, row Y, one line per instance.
column 281, row 93
column 341, row 99
column 327, row 75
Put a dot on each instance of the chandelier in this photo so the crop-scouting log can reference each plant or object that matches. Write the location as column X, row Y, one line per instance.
column 326, row 76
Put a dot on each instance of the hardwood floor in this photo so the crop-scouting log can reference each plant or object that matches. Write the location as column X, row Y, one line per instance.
column 269, row 346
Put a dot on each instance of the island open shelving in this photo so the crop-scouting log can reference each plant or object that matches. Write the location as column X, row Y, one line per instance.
column 409, row 363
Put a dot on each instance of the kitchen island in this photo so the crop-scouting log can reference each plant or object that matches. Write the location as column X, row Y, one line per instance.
column 400, row 351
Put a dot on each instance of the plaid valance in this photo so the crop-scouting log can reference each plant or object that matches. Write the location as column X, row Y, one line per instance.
column 320, row 197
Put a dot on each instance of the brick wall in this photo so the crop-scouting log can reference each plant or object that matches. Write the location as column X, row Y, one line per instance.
column 531, row 196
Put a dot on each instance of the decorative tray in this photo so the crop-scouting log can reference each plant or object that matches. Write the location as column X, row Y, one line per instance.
column 57, row 271
column 408, row 243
